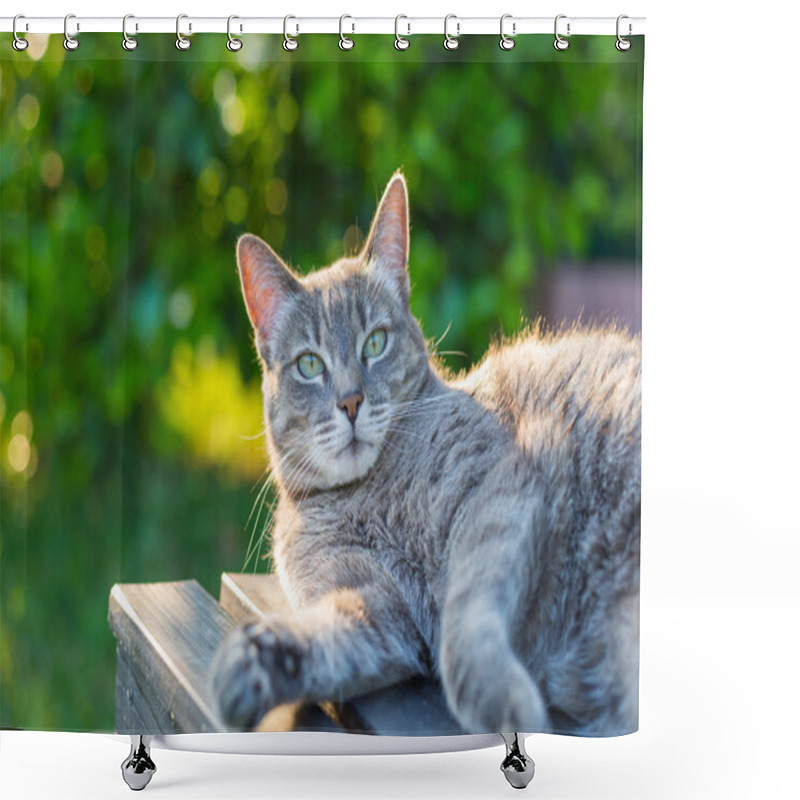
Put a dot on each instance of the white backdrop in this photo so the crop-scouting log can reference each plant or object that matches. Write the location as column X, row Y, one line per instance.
column 721, row 537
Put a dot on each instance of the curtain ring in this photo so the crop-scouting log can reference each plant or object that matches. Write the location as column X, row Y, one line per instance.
column 19, row 44
column 506, row 42
column 450, row 42
column 128, row 42
column 182, row 43
column 400, row 42
column 289, row 42
column 623, row 44
column 345, row 42
column 560, row 43
column 234, row 44
column 70, row 42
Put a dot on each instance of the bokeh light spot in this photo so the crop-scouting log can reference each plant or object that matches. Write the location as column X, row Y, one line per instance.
column 180, row 309
column 19, row 453
column 236, row 204
column 22, row 424
column 28, row 112
column 210, row 182
column 233, row 115
column 276, row 196
column 52, row 169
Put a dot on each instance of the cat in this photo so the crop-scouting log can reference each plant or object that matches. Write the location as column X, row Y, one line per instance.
column 480, row 529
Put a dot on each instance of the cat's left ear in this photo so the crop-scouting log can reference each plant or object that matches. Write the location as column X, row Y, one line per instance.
column 268, row 286
column 386, row 250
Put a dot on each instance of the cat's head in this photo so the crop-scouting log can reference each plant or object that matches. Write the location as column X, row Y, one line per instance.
column 340, row 351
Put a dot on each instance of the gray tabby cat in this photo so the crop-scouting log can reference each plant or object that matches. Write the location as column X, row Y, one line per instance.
column 481, row 530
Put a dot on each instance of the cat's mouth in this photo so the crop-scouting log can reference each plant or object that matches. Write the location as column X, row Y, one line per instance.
column 355, row 447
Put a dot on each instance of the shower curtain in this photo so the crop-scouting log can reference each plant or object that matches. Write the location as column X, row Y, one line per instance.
column 138, row 494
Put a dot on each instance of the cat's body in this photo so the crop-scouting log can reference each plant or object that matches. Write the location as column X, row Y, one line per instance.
column 483, row 529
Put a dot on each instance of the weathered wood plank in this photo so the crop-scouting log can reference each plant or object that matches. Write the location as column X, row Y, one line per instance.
column 167, row 634
column 416, row 707
column 244, row 596
column 134, row 711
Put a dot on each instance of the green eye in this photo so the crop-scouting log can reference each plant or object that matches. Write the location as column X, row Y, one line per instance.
column 310, row 365
column 375, row 344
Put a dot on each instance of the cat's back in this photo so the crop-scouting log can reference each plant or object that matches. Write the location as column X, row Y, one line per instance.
column 547, row 386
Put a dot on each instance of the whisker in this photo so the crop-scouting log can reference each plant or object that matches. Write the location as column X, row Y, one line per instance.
column 252, row 438
column 254, row 543
column 407, row 434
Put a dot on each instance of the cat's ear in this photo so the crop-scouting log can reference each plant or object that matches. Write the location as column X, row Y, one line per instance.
column 267, row 284
column 386, row 250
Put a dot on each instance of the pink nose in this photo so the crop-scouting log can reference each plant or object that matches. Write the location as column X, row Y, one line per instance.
column 350, row 405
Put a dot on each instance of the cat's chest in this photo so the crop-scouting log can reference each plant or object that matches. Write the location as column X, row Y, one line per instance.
column 411, row 555
column 396, row 535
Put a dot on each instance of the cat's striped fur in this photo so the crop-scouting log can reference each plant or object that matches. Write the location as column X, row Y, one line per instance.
column 481, row 529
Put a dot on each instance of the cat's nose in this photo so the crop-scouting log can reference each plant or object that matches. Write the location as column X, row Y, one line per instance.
column 350, row 404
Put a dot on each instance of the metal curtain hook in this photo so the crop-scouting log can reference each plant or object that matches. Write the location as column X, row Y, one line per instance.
column 128, row 42
column 345, row 42
column 451, row 42
column 560, row 43
column 400, row 42
column 289, row 42
column 623, row 44
column 182, row 43
column 70, row 42
column 506, row 42
column 19, row 44
column 234, row 44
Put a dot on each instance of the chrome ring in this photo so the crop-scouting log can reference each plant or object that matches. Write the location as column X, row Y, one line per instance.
column 128, row 42
column 506, row 42
column 623, row 44
column 345, row 42
column 289, row 42
column 70, row 42
column 19, row 44
column 233, row 44
column 450, row 42
column 182, row 43
column 560, row 43
column 400, row 42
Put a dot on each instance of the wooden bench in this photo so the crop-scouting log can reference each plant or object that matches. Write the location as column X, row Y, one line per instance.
column 167, row 634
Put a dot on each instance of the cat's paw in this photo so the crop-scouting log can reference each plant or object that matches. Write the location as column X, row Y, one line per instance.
column 256, row 669
column 503, row 700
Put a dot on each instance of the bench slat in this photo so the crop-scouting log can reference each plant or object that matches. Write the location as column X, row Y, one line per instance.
column 245, row 596
column 167, row 634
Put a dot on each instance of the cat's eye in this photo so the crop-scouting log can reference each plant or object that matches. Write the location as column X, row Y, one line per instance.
column 375, row 344
column 310, row 365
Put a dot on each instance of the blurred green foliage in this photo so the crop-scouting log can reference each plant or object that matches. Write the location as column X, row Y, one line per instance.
column 129, row 391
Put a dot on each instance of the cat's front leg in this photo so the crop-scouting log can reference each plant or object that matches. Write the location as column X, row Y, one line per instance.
column 345, row 643
column 488, row 686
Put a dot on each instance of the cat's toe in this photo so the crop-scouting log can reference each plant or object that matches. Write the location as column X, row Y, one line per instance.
column 241, row 686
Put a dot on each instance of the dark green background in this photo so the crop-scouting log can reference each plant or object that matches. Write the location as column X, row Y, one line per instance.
column 125, row 179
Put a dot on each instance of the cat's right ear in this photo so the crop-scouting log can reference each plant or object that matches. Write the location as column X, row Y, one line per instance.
column 267, row 285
